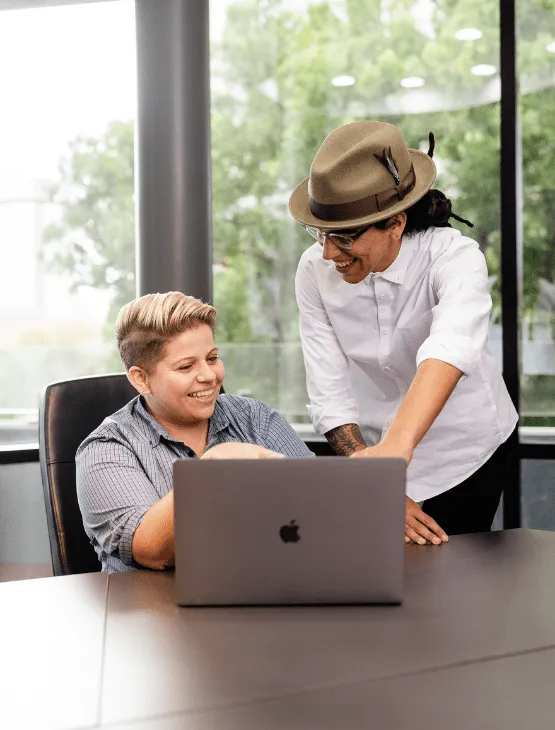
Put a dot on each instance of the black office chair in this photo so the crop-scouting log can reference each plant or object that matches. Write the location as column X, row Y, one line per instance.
column 69, row 411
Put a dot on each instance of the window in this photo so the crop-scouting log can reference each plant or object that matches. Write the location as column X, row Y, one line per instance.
column 536, row 76
column 67, row 83
column 538, row 496
column 284, row 74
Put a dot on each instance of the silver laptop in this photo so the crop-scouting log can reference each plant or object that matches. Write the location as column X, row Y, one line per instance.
column 328, row 530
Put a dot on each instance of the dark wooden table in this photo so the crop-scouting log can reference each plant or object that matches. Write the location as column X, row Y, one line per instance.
column 472, row 646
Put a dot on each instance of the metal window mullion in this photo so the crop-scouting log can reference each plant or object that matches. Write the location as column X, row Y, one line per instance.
column 173, row 189
column 510, row 245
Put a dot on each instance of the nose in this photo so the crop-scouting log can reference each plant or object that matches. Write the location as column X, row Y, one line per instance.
column 329, row 250
column 206, row 374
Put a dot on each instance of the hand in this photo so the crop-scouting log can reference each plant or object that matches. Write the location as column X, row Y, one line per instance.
column 234, row 450
column 386, row 449
column 420, row 527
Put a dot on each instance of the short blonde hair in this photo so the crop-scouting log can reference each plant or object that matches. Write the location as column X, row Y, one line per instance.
column 144, row 325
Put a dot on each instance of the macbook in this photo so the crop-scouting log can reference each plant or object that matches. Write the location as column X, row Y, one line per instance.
column 328, row 530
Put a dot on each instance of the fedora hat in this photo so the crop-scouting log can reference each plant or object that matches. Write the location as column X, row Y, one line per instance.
column 363, row 173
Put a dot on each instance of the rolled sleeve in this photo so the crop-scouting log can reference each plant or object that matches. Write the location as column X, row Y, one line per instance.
column 328, row 379
column 114, row 494
column 461, row 317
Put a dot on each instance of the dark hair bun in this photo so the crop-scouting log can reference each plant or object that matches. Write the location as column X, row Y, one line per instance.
column 439, row 208
column 434, row 209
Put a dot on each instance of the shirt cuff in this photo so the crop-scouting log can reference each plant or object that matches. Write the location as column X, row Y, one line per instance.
column 125, row 552
column 454, row 350
column 324, row 419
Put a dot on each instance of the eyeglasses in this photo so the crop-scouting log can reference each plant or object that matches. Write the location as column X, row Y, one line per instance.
column 342, row 240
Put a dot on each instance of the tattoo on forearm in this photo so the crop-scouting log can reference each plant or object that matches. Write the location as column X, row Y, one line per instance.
column 345, row 440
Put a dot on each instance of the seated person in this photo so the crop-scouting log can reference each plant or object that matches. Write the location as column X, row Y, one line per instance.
column 124, row 468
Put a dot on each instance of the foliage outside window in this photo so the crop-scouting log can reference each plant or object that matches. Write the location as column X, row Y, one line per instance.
column 283, row 75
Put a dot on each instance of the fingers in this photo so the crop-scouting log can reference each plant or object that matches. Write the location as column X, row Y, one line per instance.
column 411, row 534
column 269, row 454
column 232, row 450
column 208, row 455
column 235, row 450
column 419, row 533
column 420, row 527
column 432, row 525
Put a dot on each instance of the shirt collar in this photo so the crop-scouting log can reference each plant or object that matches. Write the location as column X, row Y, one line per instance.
column 155, row 429
column 397, row 270
column 218, row 422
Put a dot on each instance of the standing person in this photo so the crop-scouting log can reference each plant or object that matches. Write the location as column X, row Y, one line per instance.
column 394, row 311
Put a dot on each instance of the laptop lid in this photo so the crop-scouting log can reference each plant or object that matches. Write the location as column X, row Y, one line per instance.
column 289, row 531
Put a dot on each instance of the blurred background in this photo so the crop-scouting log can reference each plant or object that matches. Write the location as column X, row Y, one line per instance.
column 284, row 73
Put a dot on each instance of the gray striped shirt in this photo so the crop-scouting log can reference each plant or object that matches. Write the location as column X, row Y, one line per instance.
column 125, row 466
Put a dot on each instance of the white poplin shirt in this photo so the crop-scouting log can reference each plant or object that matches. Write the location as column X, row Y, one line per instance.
column 362, row 344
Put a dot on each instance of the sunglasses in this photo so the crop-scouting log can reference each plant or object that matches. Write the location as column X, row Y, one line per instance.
column 342, row 240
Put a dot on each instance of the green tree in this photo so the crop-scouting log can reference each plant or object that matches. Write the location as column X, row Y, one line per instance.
column 272, row 105
column 94, row 240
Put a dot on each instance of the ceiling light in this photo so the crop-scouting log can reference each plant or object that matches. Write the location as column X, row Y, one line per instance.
column 413, row 82
column 468, row 34
column 483, row 69
column 343, row 80
column 551, row 47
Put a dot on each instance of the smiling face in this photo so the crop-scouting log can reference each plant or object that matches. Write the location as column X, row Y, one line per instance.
column 375, row 250
column 181, row 388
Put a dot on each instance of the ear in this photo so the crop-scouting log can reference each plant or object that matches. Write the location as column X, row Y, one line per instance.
column 139, row 379
column 397, row 224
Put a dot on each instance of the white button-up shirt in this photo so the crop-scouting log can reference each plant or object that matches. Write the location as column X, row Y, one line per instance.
column 362, row 344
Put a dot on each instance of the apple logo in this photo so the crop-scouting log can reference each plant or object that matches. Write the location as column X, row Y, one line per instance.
column 290, row 532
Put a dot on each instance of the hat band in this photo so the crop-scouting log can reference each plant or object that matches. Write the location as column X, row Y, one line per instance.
column 377, row 203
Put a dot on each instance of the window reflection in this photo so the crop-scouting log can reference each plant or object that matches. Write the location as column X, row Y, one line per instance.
column 66, row 197
column 284, row 74
column 536, row 70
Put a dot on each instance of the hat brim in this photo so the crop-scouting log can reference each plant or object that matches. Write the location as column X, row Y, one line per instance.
column 425, row 174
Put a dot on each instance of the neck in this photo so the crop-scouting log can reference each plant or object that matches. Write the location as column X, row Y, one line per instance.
column 193, row 434
column 389, row 257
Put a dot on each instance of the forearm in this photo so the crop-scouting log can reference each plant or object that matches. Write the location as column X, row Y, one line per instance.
column 346, row 440
column 433, row 383
column 153, row 541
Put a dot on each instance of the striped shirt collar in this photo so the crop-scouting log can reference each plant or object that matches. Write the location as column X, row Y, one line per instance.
column 155, row 431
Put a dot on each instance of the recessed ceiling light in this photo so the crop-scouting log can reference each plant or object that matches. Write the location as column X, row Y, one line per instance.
column 343, row 81
column 413, row 82
column 551, row 47
column 483, row 69
column 468, row 34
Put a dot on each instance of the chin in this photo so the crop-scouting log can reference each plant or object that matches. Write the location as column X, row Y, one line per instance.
column 206, row 406
column 354, row 279
column 200, row 414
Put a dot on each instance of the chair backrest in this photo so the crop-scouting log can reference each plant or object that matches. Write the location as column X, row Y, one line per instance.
column 69, row 411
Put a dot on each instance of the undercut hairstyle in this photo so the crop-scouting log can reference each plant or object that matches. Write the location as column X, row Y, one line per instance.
column 144, row 325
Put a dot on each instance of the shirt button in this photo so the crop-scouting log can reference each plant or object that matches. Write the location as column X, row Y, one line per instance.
column 382, row 296
column 387, row 369
column 384, row 330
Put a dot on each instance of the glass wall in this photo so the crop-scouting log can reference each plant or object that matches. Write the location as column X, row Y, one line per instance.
column 284, row 74
column 538, row 495
column 67, row 84
column 536, row 76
